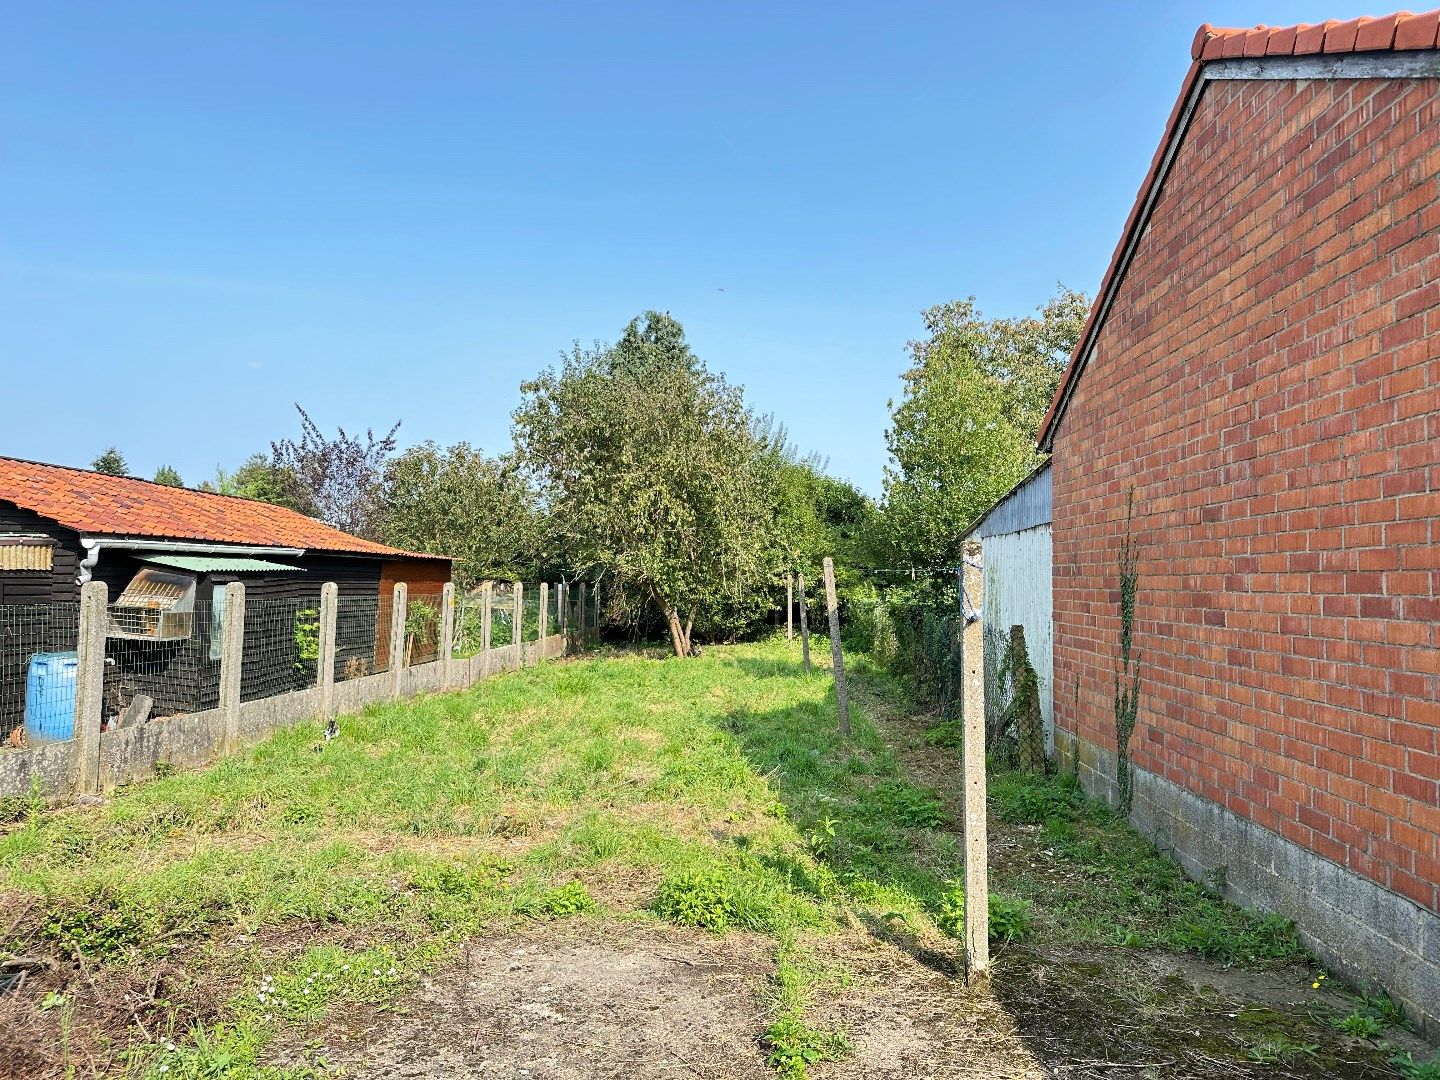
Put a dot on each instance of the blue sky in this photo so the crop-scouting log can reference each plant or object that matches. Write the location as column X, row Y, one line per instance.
column 399, row 211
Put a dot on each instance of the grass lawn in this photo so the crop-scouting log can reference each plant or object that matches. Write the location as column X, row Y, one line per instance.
column 193, row 920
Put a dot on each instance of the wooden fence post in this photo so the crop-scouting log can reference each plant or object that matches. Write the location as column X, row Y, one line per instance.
column 977, row 878
column 837, row 657
column 517, row 629
column 232, row 662
column 397, row 637
column 804, row 627
column 487, row 615
column 90, row 685
column 789, row 607
column 325, row 665
column 447, row 632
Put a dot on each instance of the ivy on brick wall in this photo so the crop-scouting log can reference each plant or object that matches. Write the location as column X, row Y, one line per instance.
column 1127, row 668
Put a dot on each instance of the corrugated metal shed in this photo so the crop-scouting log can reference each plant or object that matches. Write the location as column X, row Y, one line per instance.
column 1026, row 506
column 217, row 564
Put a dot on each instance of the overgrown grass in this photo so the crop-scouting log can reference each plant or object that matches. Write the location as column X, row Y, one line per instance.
column 719, row 782
column 1103, row 883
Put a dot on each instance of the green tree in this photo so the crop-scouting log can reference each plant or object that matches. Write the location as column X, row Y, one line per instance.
column 651, row 470
column 168, row 476
column 456, row 501
column 112, row 463
column 964, row 430
column 259, row 478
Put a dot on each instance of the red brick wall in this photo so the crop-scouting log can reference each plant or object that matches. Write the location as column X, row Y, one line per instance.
column 1268, row 381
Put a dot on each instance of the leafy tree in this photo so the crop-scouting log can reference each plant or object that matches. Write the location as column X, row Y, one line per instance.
column 964, row 431
column 456, row 501
column 112, row 463
column 650, row 469
column 168, row 476
column 260, row 479
column 340, row 480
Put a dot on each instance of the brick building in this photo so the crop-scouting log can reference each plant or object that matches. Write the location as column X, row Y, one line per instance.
column 1262, row 371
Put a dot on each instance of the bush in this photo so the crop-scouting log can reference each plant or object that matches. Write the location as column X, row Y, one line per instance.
column 1010, row 919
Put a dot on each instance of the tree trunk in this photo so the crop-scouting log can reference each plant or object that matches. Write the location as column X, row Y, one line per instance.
column 678, row 638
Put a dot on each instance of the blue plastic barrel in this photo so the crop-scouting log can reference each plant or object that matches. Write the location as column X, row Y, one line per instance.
column 50, row 696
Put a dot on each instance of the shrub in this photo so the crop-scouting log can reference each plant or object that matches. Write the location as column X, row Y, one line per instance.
column 1010, row 918
column 571, row 898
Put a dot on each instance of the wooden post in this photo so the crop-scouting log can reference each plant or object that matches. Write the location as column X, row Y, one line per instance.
column 397, row 637
column 517, row 629
column 789, row 607
column 447, row 632
column 977, row 878
column 487, row 624
column 544, row 630
column 837, row 657
column 325, row 675
column 804, row 627
column 90, row 685
column 232, row 662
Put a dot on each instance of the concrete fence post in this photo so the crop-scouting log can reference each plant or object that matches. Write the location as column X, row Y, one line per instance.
column 789, row 607
column 325, row 673
column 487, row 625
column 977, row 855
column 517, row 629
column 544, row 631
column 564, row 607
column 232, row 661
column 580, row 612
column 447, row 632
column 837, row 655
column 397, row 637
column 90, row 685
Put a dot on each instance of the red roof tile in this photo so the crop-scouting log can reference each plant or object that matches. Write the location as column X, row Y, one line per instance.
column 1402, row 31
column 97, row 504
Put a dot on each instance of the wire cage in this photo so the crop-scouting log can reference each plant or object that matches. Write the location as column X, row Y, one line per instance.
column 175, row 674
column 38, row 663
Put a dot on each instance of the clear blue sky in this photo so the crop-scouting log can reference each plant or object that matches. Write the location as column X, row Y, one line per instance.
column 399, row 211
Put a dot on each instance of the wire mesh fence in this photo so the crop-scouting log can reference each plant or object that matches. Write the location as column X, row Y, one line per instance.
column 469, row 636
column 915, row 640
column 502, row 615
column 161, row 667
column 422, row 628
column 281, row 649
column 362, row 627
column 530, row 613
column 37, row 670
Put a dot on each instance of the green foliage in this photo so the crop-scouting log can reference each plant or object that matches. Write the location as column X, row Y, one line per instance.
column 1127, row 667
column 1360, row 1025
column 651, row 468
column 901, row 804
column 706, row 899
column 262, row 480
column 111, row 463
column 1011, row 919
column 1411, row 1069
column 794, row 1046
column 307, row 640
column 457, row 501
column 1022, row 728
column 572, row 898
column 1276, row 1047
column 964, row 430
column 168, row 476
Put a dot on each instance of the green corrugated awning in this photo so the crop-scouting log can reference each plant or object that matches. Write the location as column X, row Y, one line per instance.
column 217, row 564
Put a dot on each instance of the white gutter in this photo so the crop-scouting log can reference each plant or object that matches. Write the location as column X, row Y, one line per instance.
column 93, row 545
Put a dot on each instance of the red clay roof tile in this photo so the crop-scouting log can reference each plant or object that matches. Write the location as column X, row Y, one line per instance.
column 1400, row 31
column 91, row 502
column 1418, row 31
